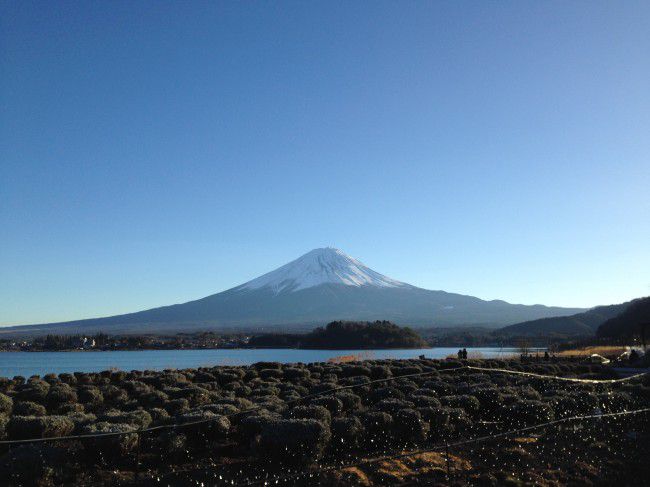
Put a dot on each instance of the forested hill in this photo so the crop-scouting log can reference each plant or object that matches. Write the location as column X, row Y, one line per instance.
column 630, row 322
column 580, row 324
column 346, row 334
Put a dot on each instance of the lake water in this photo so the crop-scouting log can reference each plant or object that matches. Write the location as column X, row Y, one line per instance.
column 41, row 363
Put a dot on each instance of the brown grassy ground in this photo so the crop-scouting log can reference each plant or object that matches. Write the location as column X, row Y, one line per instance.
column 604, row 350
column 430, row 466
column 358, row 357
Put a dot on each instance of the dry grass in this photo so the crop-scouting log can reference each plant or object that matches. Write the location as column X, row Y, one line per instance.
column 351, row 476
column 357, row 357
column 424, row 464
column 604, row 350
column 524, row 440
column 470, row 355
column 420, row 468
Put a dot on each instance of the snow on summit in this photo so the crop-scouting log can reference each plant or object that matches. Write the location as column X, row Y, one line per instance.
column 321, row 266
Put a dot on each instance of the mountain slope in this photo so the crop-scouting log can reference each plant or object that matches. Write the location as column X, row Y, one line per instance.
column 321, row 286
column 582, row 324
column 629, row 322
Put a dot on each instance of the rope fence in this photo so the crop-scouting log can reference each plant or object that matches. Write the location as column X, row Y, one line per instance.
column 444, row 447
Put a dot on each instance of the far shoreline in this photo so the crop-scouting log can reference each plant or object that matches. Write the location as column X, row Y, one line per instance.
column 95, row 350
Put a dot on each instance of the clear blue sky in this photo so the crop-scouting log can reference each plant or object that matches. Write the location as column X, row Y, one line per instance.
column 157, row 152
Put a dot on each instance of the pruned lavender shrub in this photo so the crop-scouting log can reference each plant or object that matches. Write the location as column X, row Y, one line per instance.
column 296, row 374
column 136, row 388
column 34, row 390
column 438, row 420
column 159, row 416
column 222, row 409
column 378, row 426
column 139, row 419
column 393, row 405
column 66, row 409
column 59, row 394
column 204, row 425
column 323, row 387
column 380, row 372
column 528, row 412
column 351, row 401
column 353, row 370
column 459, row 421
column 333, row 404
column 267, row 374
column 240, row 403
column 470, row 404
column 410, row 427
column 293, row 440
column 176, row 406
column 111, row 447
column 4, row 420
column 27, row 427
column 29, row 408
column 90, row 395
column 318, row 413
column 153, row 399
column 424, row 401
column 113, row 393
column 251, row 424
column 272, row 403
column 346, row 432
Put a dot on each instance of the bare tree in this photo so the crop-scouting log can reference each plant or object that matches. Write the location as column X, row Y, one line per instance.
column 523, row 344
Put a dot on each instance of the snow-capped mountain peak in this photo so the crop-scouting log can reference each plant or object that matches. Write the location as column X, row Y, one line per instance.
column 321, row 266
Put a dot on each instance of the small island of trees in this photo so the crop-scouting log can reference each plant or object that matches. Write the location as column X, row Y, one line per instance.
column 344, row 335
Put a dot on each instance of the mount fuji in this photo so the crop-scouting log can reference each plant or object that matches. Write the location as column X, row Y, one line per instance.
column 321, row 286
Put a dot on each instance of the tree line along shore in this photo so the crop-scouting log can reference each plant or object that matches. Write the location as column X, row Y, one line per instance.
column 338, row 334
column 629, row 325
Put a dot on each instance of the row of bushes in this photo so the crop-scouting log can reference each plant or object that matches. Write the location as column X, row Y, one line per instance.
column 294, row 413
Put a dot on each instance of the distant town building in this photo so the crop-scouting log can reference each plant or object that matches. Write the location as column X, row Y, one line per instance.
column 86, row 343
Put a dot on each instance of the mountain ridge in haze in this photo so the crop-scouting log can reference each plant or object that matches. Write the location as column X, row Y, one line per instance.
column 579, row 324
column 321, row 286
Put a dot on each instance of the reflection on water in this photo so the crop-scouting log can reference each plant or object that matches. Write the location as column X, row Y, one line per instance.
column 40, row 363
